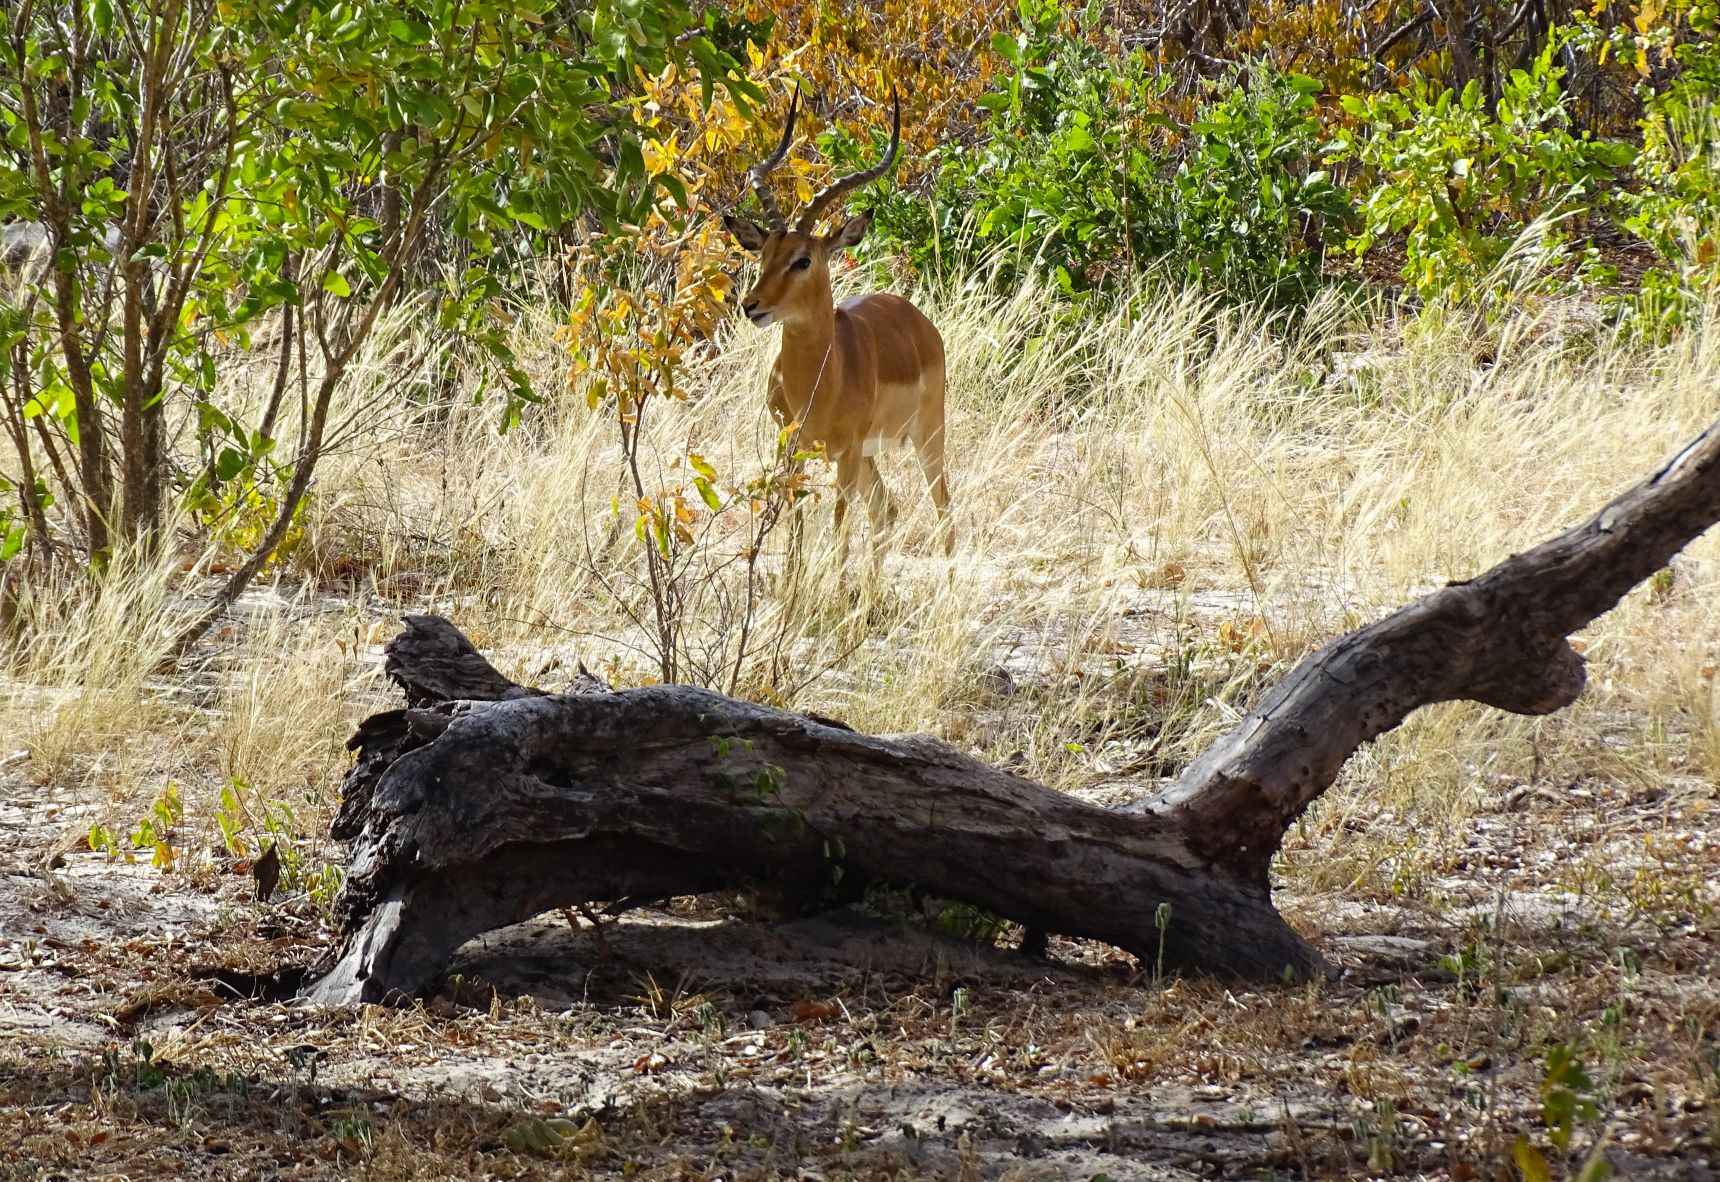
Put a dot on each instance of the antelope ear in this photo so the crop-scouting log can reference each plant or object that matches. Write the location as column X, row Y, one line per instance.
column 748, row 234
column 852, row 231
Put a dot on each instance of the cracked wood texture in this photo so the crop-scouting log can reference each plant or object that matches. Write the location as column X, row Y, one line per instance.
column 485, row 802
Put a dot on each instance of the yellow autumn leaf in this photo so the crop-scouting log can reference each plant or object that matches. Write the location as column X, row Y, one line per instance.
column 1531, row 1161
column 661, row 155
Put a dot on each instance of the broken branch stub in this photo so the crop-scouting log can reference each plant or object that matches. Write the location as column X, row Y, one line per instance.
column 487, row 802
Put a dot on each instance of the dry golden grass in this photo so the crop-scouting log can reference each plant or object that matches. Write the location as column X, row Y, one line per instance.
column 1166, row 487
column 1159, row 509
column 78, row 695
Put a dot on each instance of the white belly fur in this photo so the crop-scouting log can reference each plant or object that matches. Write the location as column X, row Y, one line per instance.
column 873, row 445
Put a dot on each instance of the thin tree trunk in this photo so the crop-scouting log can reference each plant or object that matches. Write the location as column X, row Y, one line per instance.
column 284, row 369
column 141, row 434
column 95, row 480
column 17, row 428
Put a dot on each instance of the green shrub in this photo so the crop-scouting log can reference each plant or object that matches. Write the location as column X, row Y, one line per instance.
column 1674, row 205
column 1061, row 176
column 1461, row 183
column 1252, row 210
column 1076, row 171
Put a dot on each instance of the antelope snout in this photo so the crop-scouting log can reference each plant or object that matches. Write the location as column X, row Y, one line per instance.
column 753, row 314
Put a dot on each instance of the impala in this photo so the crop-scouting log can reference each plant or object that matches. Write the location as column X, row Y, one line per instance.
column 855, row 376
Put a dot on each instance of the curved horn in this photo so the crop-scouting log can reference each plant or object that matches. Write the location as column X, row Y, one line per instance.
column 843, row 186
column 759, row 171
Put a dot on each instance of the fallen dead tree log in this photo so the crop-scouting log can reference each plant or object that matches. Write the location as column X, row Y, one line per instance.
column 485, row 802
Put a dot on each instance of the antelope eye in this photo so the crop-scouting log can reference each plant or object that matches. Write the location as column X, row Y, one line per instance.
column 800, row 264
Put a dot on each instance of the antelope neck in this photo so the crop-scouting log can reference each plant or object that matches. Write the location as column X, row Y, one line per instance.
column 807, row 343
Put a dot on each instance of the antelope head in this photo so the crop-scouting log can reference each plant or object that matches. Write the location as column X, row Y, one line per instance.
column 794, row 264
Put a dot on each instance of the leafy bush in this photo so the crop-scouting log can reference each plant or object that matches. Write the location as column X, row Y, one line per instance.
column 1077, row 172
column 1461, row 183
column 1675, row 204
column 1085, row 164
column 1063, row 176
column 1252, row 210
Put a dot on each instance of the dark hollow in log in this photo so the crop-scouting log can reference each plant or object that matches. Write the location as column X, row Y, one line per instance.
column 485, row 802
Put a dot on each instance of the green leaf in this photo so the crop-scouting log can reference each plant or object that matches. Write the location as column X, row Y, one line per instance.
column 528, row 217
column 229, row 464
column 409, row 32
column 673, row 185
column 336, row 283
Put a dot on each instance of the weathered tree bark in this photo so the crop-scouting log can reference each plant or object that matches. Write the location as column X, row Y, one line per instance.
column 485, row 802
